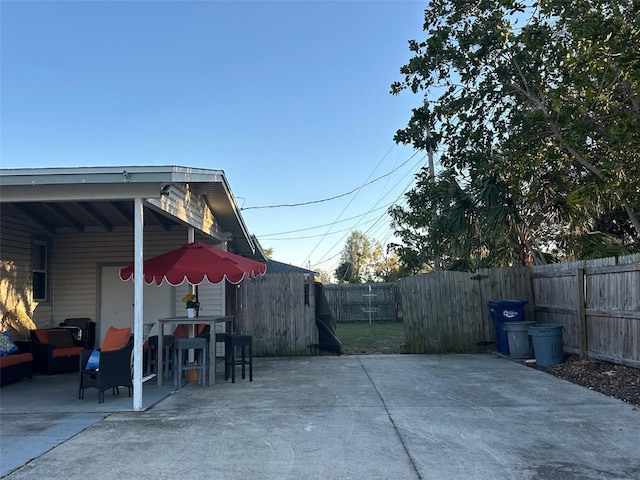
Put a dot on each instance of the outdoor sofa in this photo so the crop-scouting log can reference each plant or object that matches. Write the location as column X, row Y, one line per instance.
column 16, row 365
column 55, row 351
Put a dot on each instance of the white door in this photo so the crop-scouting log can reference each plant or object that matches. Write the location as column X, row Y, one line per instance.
column 116, row 302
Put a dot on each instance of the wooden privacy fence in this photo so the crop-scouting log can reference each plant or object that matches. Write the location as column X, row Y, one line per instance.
column 362, row 302
column 597, row 302
column 279, row 312
column 448, row 311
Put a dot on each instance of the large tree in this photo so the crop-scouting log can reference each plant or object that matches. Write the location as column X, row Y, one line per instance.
column 366, row 260
column 385, row 264
column 534, row 109
column 354, row 259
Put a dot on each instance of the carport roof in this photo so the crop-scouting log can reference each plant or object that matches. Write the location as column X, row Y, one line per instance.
column 80, row 197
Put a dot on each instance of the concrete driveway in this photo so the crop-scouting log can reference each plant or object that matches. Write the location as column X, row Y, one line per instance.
column 363, row 417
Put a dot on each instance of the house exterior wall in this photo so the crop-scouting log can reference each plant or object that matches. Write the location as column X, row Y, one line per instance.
column 78, row 289
column 183, row 203
column 75, row 262
column 211, row 299
column 17, row 232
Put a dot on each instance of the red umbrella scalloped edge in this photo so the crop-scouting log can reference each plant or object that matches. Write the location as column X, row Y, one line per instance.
column 196, row 263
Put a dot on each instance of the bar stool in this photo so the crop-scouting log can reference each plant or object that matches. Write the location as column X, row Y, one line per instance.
column 152, row 355
column 220, row 351
column 245, row 342
column 181, row 347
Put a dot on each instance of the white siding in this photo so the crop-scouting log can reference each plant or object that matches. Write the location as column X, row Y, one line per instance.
column 75, row 264
column 16, row 234
column 211, row 299
column 183, row 203
column 78, row 261
column 80, row 256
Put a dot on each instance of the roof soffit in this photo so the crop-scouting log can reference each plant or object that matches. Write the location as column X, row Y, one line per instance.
column 100, row 189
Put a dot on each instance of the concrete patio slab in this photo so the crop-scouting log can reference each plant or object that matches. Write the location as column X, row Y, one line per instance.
column 38, row 414
column 363, row 417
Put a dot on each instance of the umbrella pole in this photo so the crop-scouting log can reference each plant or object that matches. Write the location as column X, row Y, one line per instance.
column 191, row 331
column 197, row 302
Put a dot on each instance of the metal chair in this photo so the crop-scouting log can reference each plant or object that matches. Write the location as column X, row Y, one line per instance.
column 151, row 358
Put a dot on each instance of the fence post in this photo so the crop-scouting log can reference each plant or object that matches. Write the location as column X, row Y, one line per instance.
column 582, row 318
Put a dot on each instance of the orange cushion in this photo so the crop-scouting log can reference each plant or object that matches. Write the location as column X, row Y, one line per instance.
column 42, row 335
column 115, row 339
column 66, row 352
column 182, row 331
column 15, row 359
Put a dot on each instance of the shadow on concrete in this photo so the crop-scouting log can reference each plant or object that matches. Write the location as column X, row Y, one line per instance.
column 38, row 414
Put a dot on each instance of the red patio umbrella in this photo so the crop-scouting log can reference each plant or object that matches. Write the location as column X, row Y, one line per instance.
column 195, row 263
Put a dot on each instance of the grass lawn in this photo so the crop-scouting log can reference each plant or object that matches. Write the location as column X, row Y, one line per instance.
column 379, row 337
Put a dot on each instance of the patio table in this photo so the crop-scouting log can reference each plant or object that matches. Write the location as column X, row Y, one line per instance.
column 207, row 320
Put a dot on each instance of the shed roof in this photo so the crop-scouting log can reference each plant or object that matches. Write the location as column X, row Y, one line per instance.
column 279, row 267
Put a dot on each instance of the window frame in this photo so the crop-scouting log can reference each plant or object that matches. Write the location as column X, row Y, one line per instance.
column 36, row 271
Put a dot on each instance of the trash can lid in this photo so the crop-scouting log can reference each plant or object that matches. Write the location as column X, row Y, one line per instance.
column 547, row 325
column 510, row 303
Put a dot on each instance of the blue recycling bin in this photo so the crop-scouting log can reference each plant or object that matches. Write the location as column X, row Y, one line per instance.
column 504, row 311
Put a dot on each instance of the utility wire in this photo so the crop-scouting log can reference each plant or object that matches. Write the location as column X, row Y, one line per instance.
column 320, row 234
column 350, row 201
column 389, row 231
column 324, row 225
column 336, row 196
column 340, row 240
column 323, row 258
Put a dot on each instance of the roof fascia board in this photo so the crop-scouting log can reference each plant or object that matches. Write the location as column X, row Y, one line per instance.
column 78, row 192
column 111, row 183
column 110, row 175
column 236, row 212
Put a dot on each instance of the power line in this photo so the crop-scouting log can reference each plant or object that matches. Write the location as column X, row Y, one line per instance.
column 322, row 258
column 316, row 236
column 324, row 225
column 389, row 232
column 311, row 202
column 350, row 201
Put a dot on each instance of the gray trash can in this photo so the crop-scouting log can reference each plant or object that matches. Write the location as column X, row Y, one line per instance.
column 547, row 343
column 519, row 340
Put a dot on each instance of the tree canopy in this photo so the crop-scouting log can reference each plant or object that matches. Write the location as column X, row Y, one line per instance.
column 354, row 258
column 534, row 111
column 365, row 260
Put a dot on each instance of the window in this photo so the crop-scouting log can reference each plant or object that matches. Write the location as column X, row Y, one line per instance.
column 39, row 270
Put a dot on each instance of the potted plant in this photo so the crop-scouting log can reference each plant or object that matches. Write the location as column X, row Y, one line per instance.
column 191, row 304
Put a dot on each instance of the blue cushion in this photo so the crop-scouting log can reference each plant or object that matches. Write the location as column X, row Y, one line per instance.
column 94, row 360
column 6, row 345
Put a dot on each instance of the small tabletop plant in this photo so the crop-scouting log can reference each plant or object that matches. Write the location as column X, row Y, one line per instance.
column 190, row 301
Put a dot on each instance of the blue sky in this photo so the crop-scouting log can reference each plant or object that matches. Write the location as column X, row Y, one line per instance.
column 290, row 98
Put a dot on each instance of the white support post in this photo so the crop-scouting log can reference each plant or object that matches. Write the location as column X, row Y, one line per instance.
column 138, row 312
column 191, row 237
